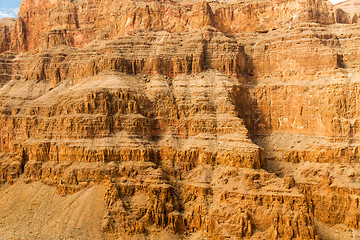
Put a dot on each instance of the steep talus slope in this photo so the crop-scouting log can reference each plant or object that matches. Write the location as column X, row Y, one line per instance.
column 180, row 119
column 41, row 213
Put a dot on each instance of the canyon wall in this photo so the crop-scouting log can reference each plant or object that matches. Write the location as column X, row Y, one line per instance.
column 201, row 120
column 348, row 11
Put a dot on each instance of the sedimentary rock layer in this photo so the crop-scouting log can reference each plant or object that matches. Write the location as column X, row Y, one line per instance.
column 216, row 120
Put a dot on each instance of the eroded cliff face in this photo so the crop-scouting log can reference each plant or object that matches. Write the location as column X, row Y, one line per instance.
column 348, row 11
column 42, row 24
column 202, row 120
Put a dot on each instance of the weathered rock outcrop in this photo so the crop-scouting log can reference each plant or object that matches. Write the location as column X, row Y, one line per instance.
column 221, row 119
column 42, row 24
column 6, row 25
column 348, row 11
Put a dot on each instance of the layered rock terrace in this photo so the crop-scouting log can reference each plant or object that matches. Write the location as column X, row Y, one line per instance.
column 193, row 119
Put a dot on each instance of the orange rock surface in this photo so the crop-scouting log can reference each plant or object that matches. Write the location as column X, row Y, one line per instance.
column 180, row 120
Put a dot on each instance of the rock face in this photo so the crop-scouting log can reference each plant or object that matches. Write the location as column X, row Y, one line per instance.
column 348, row 11
column 201, row 120
column 6, row 25
column 42, row 24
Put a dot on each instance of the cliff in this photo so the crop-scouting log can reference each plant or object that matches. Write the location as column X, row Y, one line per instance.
column 348, row 11
column 180, row 119
column 42, row 24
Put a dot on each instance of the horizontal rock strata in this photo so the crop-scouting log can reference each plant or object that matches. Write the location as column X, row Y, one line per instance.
column 197, row 120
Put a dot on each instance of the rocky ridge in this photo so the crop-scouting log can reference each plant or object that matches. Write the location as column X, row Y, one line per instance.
column 202, row 120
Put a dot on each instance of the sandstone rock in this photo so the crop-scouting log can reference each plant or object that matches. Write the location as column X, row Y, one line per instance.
column 6, row 25
column 215, row 120
column 289, row 182
column 351, row 8
column 342, row 16
column 42, row 24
